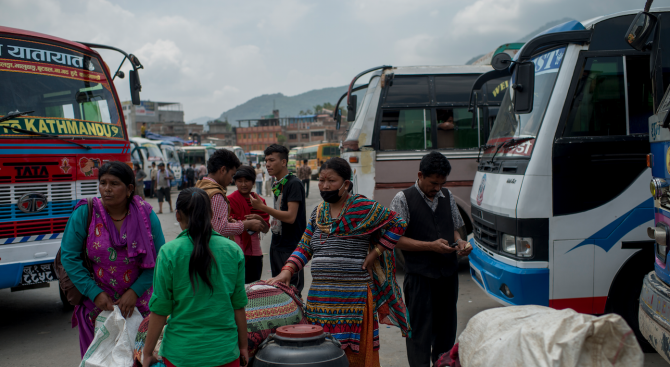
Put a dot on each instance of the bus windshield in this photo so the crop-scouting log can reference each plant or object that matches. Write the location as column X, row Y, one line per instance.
column 67, row 90
column 170, row 154
column 510, row 125
column 153, row 153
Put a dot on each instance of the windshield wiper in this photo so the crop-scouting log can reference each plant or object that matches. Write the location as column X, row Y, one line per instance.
column 483, row 147
column 17, row 114
column 510, row 143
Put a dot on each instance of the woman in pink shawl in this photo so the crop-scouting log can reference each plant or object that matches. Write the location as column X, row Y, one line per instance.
column 121, row 244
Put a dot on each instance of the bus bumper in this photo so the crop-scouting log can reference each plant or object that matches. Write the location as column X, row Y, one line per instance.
column 654, row 314
column 526, row 286
column 15, row 257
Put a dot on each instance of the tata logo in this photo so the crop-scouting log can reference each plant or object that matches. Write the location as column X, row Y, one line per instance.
column 32, row 203
column 480, row 193
column 32, row 171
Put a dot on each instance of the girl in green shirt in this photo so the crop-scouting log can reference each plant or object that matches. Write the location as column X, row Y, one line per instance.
column 199, row 282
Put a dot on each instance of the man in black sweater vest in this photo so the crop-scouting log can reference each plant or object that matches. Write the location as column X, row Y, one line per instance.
column 430, row 247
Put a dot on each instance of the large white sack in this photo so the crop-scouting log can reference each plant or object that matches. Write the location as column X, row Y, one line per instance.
column 541, row 336
column 114, row 340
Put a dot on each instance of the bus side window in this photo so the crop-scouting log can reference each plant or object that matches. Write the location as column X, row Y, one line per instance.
column 454, row 128
column 405, row 130
column 599, row 108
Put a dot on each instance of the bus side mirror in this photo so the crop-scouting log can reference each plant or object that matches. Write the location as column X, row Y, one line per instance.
column 639, row 31
column 135, row 87
column 501, row 61
column 524, row 86
column 351, row 108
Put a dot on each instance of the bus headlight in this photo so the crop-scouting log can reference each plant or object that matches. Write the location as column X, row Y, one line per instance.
column 509, row 244
column 519, row 246
column 658, row 187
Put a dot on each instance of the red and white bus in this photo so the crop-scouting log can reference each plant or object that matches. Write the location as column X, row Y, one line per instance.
column 61, row 119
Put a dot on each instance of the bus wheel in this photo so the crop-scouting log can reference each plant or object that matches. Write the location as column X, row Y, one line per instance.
column 624, row 298
column 66, row 305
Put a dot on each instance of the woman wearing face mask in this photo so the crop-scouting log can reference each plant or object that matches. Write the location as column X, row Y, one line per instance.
column 350, row 239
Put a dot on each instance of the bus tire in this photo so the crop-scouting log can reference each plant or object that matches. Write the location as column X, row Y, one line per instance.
column 624, row 294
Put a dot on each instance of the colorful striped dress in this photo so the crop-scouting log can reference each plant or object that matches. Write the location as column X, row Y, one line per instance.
column 340, row 287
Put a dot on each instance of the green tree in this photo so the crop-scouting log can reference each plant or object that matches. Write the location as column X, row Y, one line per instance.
column 318, row 108
column 281, row 139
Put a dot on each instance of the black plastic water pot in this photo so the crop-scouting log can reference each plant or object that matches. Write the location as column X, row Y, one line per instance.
column 301, row 345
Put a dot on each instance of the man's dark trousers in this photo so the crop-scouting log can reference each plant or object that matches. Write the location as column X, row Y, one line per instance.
column 431, row 304
column 306, row 183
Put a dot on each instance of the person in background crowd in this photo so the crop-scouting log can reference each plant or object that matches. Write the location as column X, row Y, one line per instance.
column 240, row 210
column 430, row 246
column 183, row 183
column 269, row 181
column 222, row 165
column 200, row 285
column 259, row 179
column 288, row 215
column 163, row 178
column 112, row 261
column 190, row 175
column 350, row 239
column 202, row 172
column 143, row 130
column 305, row 174
column 140, row 175
column 153, row 172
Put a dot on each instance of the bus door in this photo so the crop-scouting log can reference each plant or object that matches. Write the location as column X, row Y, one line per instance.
column 603, row 131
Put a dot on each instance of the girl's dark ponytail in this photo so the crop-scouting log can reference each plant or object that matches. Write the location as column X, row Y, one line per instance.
column 194, row 204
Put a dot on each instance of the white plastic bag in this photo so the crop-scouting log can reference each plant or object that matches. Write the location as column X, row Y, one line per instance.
column 543, row 337
column 114, row 340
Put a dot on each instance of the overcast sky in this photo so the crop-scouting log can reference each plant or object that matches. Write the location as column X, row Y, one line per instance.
column 214, row 55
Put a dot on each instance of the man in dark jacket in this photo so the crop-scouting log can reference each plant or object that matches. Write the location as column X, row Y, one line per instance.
column 190, row 175
column 430, row 247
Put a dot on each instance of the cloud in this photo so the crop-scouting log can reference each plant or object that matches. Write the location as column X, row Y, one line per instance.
column 214, row 55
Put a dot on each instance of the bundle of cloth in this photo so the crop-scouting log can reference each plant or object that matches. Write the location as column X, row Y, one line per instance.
column 269, row 307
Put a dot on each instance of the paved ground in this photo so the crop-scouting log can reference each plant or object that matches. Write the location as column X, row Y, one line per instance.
column 34, row 331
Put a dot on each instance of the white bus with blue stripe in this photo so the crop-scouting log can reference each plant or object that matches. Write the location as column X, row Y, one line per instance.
column 559, row 202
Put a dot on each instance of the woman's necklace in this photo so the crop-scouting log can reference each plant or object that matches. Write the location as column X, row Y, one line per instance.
column 117, row 220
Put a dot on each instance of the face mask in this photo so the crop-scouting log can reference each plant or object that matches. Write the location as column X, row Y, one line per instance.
column 332, row 196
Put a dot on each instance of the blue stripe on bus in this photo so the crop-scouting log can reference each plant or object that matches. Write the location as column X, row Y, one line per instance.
column 53, row 236
column 59, row 145
column 60, row 151
column 40, row 237
column 10, row 241
column 612, row 233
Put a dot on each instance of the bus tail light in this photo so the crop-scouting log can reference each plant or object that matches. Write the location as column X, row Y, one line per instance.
column 353, row 159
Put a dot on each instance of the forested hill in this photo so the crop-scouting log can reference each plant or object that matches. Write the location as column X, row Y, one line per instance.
column 287, row 106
